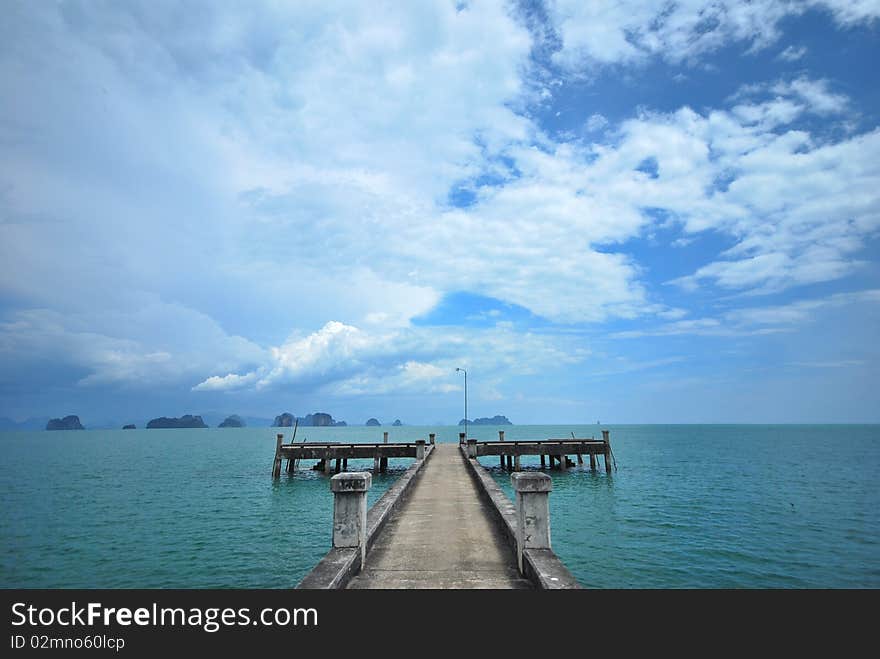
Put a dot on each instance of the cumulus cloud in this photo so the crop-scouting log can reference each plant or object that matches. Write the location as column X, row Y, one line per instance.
column 347, row 360
column 595, row 34
column 134, row 349
column 179, row 203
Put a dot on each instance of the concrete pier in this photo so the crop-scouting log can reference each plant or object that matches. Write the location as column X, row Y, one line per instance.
column 442, row 536
column 445, row 522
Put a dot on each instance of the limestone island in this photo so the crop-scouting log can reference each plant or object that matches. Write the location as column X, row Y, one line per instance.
column 129, row 426
column 372, row 422
column 233, row 421
column 70, row 422
column 397, row 422
column 496, row 420
column 186, row 421
column 318, row 419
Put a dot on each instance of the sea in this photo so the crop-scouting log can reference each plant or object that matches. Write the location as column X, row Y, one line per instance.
column 688, row 506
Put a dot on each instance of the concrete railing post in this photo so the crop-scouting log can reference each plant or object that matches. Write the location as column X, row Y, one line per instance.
column 420, row 449
column 350, row 510
column 532, row 512
column 431, row 438
column 461, row 438
column 472, row 448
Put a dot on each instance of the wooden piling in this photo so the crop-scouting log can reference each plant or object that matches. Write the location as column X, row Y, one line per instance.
column 501, row 457
column 383, row 465
column 516, row 463
column 385, row 437
column 376, row 464
column 580, row 459
column 328, row 466
column 509, row 463
column 344, row 464
column 593, row 461
column 338, row 467
column 607, row 440
column 543, row 462
column 276, row 466
column 563, row 462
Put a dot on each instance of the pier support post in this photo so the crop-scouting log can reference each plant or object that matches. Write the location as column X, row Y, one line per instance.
column 501, row 439
column 383, row 465
column 350, row 510
column 607, row 441
column 385, row 437
column 532, row 512
column 376, row 464
column 420, row 449
column 472, row 448
column 563, row 461
column 543, row 461
column 328, row 466
column 593, row 461
column 516, row 463
column 431, row 438
column 276, row 466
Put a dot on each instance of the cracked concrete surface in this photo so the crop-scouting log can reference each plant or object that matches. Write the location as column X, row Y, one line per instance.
column 443, row 536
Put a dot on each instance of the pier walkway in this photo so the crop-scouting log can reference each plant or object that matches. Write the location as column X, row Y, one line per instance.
column 443, row 536
column 445, row 522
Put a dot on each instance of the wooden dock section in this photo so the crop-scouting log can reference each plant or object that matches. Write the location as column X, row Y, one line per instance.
column 328, row 452
column 556, row 451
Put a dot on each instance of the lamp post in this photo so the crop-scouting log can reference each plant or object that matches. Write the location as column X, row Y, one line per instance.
column 465, row 401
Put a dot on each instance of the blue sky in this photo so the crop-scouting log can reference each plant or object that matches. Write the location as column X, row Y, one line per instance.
column 634, row 212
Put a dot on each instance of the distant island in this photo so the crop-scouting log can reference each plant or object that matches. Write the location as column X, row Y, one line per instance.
column 186, row 421
column 496, row 420
column 70, row 422
column 233, row 421
column 397, row 422
column 318, row 419
column 372, row 422
column 129, row 426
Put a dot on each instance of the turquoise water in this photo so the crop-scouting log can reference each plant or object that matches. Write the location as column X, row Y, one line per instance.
column 690, row 506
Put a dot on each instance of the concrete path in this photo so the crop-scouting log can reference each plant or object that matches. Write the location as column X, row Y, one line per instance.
column 442, row 536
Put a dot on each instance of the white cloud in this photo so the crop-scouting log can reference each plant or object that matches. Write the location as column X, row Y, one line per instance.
column 757, row 320
column 792, row 53
column 596, row 122
column 132, row 349
column 347, row 360
column 815, row 94
column 180, row 202
column 634, row 31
